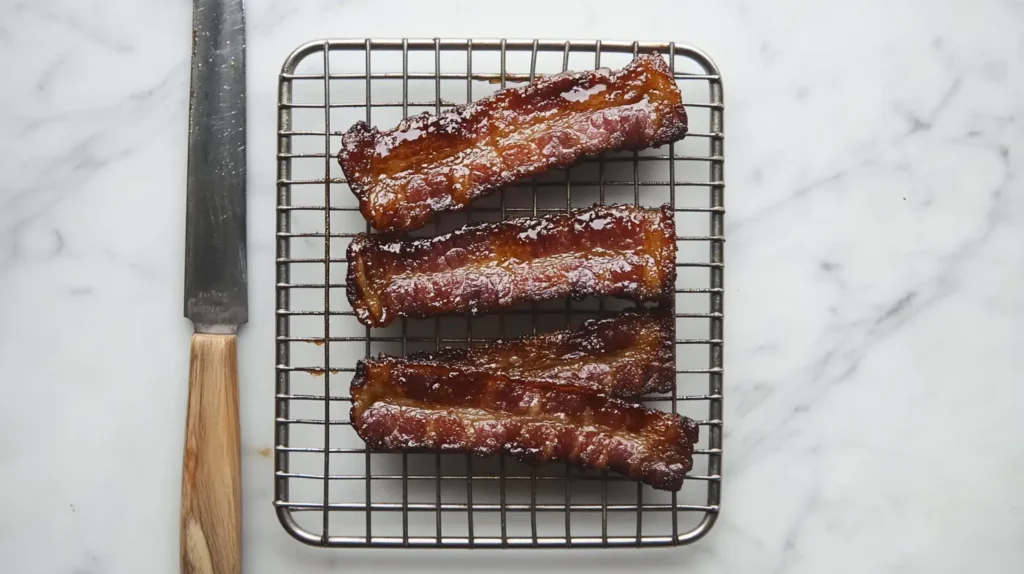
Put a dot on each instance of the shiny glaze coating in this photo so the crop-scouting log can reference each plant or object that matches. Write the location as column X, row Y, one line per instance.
column 432, row 163
column 624, row 356
column 618, row 250
column 399, row 406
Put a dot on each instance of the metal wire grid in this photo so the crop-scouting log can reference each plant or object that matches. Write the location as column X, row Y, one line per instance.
column 329, row 490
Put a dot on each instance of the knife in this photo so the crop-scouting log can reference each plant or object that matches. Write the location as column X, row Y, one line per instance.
column 216, row 296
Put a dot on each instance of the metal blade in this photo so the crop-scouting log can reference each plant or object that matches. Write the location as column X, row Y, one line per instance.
column 216, row 291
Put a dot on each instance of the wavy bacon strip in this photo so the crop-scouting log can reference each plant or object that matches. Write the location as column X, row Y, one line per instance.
column 620, row 250
column 433, row 163
column 413, row 407
column 624, row 356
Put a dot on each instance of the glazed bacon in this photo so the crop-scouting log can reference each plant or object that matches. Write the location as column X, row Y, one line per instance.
column 619, row 250
column 624, row 356
column 433, row 163
column 402, row 406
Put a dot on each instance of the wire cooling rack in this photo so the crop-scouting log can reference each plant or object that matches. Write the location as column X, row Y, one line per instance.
column 329, row 491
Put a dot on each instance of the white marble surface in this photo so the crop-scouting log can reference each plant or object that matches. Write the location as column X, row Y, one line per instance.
column 874, row 268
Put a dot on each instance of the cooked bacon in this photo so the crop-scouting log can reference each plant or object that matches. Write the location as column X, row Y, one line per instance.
column 399, row 406
column 433, row 163
column 620, row 250
column 624, row 356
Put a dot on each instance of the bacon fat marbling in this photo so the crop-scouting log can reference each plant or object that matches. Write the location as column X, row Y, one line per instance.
column 399, row 406
column 618, row 250
column 432, row 163
column 624, row 356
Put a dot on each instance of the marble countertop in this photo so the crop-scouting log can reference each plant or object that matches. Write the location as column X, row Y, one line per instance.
column 875, row 257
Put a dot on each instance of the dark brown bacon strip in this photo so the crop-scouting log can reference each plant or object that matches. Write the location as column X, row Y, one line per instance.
column 432, row 163
column 620, row 250
column 414, row 407
column 624, row 356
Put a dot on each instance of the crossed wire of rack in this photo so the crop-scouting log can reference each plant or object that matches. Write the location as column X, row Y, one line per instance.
column 329, row 489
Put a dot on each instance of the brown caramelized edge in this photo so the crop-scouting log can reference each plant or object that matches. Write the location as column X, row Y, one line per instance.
column 667, row 259
column 359, row 288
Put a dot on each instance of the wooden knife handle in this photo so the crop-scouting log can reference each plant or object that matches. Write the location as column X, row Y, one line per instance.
column 211, row 501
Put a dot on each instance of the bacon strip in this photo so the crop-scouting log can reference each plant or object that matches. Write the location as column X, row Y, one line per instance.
column 621, row 250
column 433, row 163
column 413, row 407
column 625, row 356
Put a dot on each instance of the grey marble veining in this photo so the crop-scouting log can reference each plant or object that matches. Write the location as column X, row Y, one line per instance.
column 875, row 257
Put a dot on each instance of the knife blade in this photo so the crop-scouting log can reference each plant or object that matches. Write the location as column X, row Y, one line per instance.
column 216, row 297
column 216, row 289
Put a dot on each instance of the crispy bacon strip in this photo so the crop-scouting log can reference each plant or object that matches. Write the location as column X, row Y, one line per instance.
column 414, row 407
column 619, row 250
column 433, row 163
column 625, row 356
